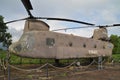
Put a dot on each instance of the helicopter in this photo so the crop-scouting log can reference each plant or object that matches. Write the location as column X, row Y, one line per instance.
column 37, row 41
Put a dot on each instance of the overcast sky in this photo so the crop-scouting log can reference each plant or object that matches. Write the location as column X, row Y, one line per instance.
column 99, row 12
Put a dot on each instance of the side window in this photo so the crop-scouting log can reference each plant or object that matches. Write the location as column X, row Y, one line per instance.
column 70, row 44
column 84, row 45
column 50, row 41
column 95, row 46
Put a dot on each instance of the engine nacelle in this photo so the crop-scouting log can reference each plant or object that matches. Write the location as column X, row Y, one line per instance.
column 101, row 34
column 35, row 25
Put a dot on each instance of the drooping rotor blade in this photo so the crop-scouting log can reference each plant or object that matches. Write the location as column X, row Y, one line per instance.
column 113, row 25
column 87, row 27
column 73, row 28
column 16, row 20
column 63, row 19
column 28, row 7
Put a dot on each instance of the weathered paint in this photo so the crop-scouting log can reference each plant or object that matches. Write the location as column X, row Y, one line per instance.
column 41, row 43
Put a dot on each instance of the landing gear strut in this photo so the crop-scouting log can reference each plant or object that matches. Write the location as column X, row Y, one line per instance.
column 100, row 63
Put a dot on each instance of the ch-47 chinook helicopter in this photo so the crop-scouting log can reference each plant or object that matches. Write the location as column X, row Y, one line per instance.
column 37, row 41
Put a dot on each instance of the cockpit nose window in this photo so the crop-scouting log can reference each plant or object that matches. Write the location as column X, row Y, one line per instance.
column 27, row 41
column 24, row 37
column 18, row 48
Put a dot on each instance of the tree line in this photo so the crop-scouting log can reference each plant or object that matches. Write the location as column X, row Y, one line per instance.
column 115, row 39
column 5, row 37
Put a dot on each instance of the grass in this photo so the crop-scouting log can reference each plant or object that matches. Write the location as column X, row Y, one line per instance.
column 2, row 54
column 18, row 60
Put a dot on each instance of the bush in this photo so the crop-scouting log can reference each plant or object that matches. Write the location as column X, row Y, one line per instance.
column 116, row 57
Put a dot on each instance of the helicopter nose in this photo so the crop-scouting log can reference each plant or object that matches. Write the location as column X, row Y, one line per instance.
column 15, row 47
column 11, row 48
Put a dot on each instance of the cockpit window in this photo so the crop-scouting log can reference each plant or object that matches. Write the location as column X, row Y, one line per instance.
column 24, row 37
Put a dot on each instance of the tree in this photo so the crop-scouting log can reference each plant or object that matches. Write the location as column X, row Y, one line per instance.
column 116, row 42
column 5, row 37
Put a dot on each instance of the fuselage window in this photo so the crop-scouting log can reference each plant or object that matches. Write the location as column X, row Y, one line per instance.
column 70, row 44
column 95, row 46
column 50, row 41
column 84, row 45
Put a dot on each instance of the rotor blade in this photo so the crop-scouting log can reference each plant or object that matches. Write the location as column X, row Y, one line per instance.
column 15, row 20
column 63, row 19
column 113, row 25
column 87, row 27
column 116, row 24
column 28, row 6
column 72, row 28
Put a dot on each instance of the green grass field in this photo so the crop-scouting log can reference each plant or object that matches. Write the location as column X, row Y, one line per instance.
column 18, row 60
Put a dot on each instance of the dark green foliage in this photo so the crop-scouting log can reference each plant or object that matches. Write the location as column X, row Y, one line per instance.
column 2, row 54
column 116, row 57
column 5, row 37
column 116, row 42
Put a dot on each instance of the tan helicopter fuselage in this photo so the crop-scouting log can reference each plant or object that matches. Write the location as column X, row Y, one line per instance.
column 38, row 42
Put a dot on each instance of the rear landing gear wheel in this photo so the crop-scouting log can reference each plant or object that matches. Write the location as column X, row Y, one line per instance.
column 57, row 62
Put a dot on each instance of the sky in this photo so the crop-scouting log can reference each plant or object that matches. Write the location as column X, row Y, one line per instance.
column 99, row 12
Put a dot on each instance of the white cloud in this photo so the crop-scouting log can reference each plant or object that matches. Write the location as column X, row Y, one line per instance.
column 94, row 11
column 15, row 33
column 17, row 25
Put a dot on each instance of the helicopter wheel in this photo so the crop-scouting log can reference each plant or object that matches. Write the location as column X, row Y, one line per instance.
column 57, row 62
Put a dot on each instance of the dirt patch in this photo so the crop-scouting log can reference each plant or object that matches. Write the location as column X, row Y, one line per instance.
column 108, row 73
